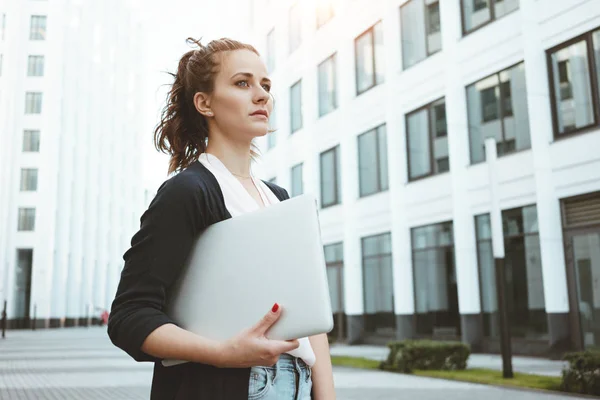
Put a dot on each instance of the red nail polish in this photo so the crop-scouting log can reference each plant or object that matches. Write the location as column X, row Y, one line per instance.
column 275, row 307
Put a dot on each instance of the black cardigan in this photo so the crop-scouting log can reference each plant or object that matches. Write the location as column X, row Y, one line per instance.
column 183, row 207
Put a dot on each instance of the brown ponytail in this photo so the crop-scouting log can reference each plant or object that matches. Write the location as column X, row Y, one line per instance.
column 183, row 131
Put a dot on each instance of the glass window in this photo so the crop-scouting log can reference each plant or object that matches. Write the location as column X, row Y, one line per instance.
column 35, row 66
column 33, row 103
column 29, row 179
column 22, row 286
column 271, row 136
column 31, row 141
column 369, row 58
column 26, row 219
column 295, row 27
column 495, row 112
column 428, row 140
column 377, row 278
column 2, row 26
column 372, row 161
column 421, row 34
column 271, row 50
column 297, row 180
column 479, row 12
column 596, row 46
column 325, row 12
column 327, row 86
column 334, row 259
column 436, row 291
column 524, row 283
column 573, row 104
column 296, row 106
column 330, row 177
column 38, row 27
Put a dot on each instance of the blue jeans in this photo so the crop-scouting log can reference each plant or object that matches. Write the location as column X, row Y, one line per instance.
column 289, row 379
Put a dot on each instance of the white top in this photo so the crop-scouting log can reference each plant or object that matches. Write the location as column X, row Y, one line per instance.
column 238, row 201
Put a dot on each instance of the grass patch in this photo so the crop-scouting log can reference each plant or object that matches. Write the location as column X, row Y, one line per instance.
column 476, row 375
column 354, row 362
column 492, row 377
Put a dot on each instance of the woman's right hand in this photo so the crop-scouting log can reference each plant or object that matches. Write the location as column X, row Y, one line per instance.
column 251, row 347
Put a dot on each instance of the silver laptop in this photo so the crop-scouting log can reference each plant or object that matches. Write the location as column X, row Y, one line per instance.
column 240, row 267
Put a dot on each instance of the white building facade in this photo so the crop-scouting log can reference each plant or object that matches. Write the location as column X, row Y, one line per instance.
column 70, row 166
column 382, row 109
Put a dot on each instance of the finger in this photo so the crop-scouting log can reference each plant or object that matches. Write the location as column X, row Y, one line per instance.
column 283, row 346
column 268, row 320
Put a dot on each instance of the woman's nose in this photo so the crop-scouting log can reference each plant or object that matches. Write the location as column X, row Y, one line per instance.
column 262, row 96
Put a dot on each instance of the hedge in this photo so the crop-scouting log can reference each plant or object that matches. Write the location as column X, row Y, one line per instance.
column 409, row 355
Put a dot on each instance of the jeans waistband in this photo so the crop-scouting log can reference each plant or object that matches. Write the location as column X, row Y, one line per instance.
column 287, row 360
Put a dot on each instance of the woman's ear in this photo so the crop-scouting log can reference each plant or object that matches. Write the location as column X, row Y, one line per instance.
column 202, row 104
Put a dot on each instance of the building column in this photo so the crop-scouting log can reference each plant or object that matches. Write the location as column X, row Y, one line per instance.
column 458, row 147
column 548, row 205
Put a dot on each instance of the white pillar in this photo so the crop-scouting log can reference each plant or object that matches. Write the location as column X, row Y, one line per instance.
column 458, row 149
column 548, row 206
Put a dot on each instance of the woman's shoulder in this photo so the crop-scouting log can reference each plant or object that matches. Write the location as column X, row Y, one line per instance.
column 280, row 192
column 194, row 181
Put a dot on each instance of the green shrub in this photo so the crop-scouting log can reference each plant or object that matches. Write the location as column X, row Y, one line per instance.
column 583, row 373
column 409, row 355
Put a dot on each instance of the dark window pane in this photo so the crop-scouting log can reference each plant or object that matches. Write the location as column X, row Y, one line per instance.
column 296, row 106
column 327, row 86
column 365, row 75
column 440, row 137
column 418, row 144
column 334, row 253
column 367, row 163
column 297, row 184
column 330, row 178
column 31, row 141
column 29, row 179
column 483, row 227
column 382, row 158
column 513, row 93
column 475, row 13
column 377, row 274
column 572, row 87
column 596, row 38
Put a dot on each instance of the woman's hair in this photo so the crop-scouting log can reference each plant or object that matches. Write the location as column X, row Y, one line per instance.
column 183, row 131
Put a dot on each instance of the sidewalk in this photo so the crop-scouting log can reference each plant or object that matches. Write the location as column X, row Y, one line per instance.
column 531, row 365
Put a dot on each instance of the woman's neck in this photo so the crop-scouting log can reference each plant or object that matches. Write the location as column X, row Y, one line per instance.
column 234, row 155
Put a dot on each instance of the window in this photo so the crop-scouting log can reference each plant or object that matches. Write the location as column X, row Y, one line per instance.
column 297, row 181
column 325, row 12
column 434, row 271
column 29, row 179
column 37, row 30
column 421, row 33
column 327, row 86
column 574, row 81
column 295, row 27
column 271, row 136
column 35, row 66
column 31, row 141
column 22, row 284
column 524, row 283
column 271, row 50
column 378, row 281
column 477, row 13
column 370, row 60
column 296, row 106
column 494, row 111
column 427, row 141
column 33, row 103
column 372, row 161
column 334, row 259
column 26, row 219
column 331, row 193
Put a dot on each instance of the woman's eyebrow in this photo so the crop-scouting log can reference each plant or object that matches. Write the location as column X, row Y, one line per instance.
column 249, row 75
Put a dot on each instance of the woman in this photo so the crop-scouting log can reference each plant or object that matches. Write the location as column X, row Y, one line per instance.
column 218, row 104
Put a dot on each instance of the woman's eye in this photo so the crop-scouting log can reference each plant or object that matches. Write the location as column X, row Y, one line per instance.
column 267, row 87
column 242, row 83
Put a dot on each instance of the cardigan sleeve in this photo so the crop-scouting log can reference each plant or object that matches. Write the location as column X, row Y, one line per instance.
column 153, row 262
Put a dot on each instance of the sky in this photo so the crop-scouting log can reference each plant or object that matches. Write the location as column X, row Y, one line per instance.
column 168, row 26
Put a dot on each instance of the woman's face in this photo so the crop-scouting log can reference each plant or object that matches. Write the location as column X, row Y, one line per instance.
column 241, row 102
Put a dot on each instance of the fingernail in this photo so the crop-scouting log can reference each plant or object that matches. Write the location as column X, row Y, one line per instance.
column 275, row 307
